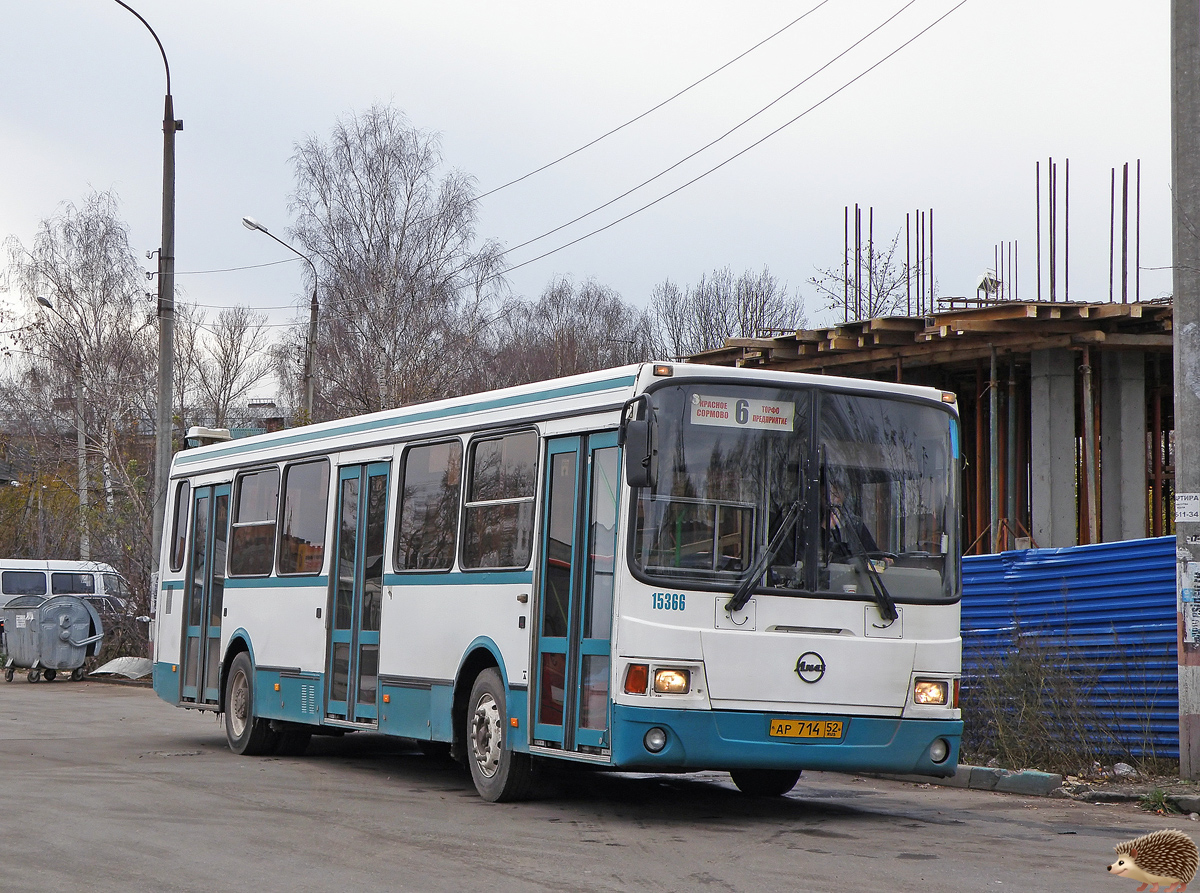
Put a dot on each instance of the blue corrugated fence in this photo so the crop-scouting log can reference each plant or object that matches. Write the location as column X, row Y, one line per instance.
column 1108, row 609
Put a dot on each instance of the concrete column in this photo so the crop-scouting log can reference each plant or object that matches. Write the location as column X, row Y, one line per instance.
column 1185, row 191
column 1123, row 485
column 1052, row 447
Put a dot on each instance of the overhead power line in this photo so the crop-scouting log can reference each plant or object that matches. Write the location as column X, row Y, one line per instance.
column 593, row 142
column 290, row 306
column 286, row 260
column 728, row 132
column 649, row 111
column 740, row 153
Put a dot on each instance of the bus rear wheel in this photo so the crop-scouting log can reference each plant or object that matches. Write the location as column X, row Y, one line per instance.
column 500, row 774
column 246, row 733
column 765, row 782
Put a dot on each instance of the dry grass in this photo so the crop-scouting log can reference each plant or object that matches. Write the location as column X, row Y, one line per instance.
column 1041, row 705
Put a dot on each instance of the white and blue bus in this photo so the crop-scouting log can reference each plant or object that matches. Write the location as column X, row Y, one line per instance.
column 653, row 568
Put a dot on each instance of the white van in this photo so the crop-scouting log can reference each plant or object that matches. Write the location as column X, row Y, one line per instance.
column 92, row 581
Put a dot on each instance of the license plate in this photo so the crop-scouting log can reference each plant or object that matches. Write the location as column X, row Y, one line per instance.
column 806, row 728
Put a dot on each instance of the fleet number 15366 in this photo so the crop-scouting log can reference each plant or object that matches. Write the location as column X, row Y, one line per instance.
column 668, row 601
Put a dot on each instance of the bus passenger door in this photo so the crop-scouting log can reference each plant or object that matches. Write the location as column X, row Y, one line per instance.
column 201, row 682
column 579, row 538
column 356, row 595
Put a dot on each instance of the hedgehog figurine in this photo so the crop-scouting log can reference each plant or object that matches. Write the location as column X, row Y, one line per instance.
column 1164, row 857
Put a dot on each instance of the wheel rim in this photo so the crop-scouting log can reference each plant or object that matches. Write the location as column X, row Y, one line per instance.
column 239, row 703
column 486, row 732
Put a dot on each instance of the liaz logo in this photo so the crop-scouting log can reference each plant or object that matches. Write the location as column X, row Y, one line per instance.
column 810, row 666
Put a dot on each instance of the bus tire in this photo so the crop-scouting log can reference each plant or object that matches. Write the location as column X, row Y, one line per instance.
column 765, row 782
column 500, row 773
column 246, row 733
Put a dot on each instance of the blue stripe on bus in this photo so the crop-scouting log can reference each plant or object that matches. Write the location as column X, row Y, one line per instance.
column 172, row 584
column 725, row 739
column 166, row 681
column 239, row 446
column 459, row 578
column 276, row 582
column 954, row 438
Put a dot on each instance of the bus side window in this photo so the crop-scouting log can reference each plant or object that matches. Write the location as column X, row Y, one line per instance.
column 305, row 503
column 179, row 525
column 427, row 520
column 498, row 511
column 252, row 551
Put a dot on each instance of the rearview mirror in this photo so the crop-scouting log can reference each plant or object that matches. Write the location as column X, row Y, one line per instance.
column 637, row 435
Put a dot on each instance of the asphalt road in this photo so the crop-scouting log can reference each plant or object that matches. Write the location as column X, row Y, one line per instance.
column 104, row 787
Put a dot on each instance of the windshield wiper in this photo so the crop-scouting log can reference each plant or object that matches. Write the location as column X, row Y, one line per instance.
column 883, row 598
column 760, row 566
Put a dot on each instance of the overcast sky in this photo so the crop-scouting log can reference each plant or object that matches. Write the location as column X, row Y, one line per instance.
column 954, row 122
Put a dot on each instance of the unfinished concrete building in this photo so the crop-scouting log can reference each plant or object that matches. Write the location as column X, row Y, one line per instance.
column 1067, row 409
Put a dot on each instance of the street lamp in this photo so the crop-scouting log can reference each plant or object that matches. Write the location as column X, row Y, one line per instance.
column 85, row 540
column 251, row 223
column 166, row 305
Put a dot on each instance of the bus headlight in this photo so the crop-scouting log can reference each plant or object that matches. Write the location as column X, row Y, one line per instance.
column 930, row 691
column 672, row 682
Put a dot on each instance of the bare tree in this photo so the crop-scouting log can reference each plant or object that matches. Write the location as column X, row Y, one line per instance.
column 694, row 319
column 401, row 280
column 232, row 361
column 882, row 279
column 185, row 379
column 571, row 328
column 286, row 355
column 81, row 383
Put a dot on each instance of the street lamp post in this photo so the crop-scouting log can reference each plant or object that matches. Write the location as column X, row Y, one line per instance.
column 166, row 305
column 251, row 223
column 85, row 540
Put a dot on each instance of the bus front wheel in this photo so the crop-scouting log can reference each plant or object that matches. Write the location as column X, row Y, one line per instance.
column 246, row 733
column 765, row 782
column 500, row 774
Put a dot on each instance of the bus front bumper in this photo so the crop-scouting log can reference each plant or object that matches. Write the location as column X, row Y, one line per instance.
column 728, row 739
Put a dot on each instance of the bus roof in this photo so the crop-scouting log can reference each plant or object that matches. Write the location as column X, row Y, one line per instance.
column 605, row 390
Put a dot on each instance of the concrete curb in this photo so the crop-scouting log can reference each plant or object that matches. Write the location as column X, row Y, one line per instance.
column 1032, row 783
column 1029, row 782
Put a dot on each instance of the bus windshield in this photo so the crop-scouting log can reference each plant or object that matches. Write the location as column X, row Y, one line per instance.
column 873, row 476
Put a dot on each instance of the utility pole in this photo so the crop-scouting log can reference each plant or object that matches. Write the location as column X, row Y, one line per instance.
column 1185, row 209
column 164, row 421
column 166, row 327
